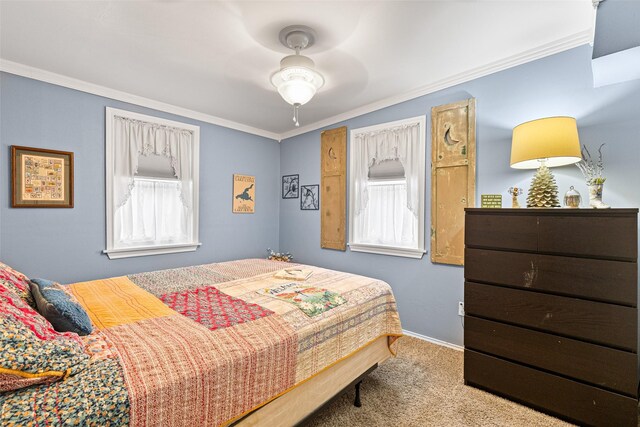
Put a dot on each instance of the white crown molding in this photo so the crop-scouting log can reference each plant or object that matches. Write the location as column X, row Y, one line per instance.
column 560, row 45
column 83, row 86
column 566, row 43
column 433, row 340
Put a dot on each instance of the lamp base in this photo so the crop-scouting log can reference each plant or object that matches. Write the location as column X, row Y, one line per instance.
column 543, row 192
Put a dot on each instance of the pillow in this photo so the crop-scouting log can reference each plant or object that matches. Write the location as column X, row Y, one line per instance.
column 60, row 308
column 17, row 282
column 31, row 351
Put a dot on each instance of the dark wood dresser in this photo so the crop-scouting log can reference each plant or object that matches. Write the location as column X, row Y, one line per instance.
column 551, row 321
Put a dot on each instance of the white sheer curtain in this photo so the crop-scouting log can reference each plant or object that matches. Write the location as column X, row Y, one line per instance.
column 387, row 212
column 397, row 143
column 134, row 138
column 153, row 214
column 386, row 220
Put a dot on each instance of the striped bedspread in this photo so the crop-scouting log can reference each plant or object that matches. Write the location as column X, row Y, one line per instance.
column 203, row 345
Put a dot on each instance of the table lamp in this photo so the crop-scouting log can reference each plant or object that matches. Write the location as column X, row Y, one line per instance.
column 541, row 144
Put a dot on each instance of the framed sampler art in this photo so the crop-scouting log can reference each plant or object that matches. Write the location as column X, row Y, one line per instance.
column 41, row 178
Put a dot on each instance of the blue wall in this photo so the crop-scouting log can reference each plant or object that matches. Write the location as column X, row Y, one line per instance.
column 66, row 244
column 617, row 27
column 427, row 293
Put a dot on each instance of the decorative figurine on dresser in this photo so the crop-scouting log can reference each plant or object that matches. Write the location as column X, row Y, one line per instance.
column 551, row 316
column 593, row 171
column 572, row 198
column 515, row 192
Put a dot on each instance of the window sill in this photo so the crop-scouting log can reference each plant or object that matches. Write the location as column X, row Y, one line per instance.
column 387, row 250
column 150, row 250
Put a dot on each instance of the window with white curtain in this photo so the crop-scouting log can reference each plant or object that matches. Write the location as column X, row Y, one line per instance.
column 152, row 185
column 387, row 187
column 153, row 215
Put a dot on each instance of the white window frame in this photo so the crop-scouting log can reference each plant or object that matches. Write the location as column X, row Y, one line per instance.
column 388, row 249
column 116, row 253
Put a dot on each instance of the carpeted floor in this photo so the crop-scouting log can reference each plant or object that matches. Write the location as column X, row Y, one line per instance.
column 423, row 386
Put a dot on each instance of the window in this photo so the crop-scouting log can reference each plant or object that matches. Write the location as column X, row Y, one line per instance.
column 152, row 185
column 386, row 201
column 153, row 215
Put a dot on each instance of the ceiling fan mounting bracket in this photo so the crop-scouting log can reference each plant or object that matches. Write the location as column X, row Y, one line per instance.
column 297, row 37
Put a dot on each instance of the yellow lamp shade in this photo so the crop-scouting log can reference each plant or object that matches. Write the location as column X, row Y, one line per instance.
column 552, row 139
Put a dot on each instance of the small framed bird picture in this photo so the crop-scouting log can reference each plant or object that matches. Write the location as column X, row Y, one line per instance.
column 290, row 186
column 310, row 197
column 244, row 193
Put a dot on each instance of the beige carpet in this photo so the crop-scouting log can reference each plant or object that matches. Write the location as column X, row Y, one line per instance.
column 423, row 386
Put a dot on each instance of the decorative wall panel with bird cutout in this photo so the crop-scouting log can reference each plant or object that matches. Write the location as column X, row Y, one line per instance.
column 453, row 177
column 333, row 184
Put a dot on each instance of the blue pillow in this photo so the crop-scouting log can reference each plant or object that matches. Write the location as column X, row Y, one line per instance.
column 59, row 307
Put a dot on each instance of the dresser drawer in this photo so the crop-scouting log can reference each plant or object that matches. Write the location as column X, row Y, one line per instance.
column 601, row 366
column 608, row 237
column 600, row 280
column 598, row 322
column 579, row 402
column 516, row 232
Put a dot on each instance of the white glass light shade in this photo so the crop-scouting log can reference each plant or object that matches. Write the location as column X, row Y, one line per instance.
column 296, row 91
column 297, row 82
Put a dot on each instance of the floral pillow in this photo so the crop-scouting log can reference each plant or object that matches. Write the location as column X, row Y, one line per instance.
column 60, row 307
column 31, row 351
column 17, row 282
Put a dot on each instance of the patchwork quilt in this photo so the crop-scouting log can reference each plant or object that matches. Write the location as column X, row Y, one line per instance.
column 204, row 345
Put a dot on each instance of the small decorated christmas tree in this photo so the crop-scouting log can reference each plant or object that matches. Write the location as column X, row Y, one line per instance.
column 543, row 192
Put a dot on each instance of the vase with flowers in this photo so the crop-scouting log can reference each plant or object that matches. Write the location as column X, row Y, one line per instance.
column 593, row 172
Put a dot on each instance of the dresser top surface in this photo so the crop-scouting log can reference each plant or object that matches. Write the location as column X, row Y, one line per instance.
column 555, row 211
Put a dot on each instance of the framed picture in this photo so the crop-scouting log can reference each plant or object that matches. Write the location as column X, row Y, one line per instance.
column 290, row 187
column 309, row 197
column 41, row 178
column 244, row 194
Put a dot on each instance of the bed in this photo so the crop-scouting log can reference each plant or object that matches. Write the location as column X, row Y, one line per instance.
column 216, row 344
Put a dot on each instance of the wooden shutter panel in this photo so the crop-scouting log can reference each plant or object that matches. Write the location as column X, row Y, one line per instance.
column 333, row 189
column 453, row 177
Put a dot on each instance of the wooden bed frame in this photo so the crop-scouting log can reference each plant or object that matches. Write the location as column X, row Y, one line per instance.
column 304, row 399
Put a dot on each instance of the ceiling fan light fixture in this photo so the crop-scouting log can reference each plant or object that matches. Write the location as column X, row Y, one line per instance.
column 296, row 92
column 297, row 81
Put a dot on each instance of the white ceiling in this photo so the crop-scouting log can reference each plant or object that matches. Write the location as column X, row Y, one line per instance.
column 215, row 58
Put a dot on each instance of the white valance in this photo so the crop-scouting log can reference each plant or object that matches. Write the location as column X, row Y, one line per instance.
column 397, row 143
column 135, row 138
